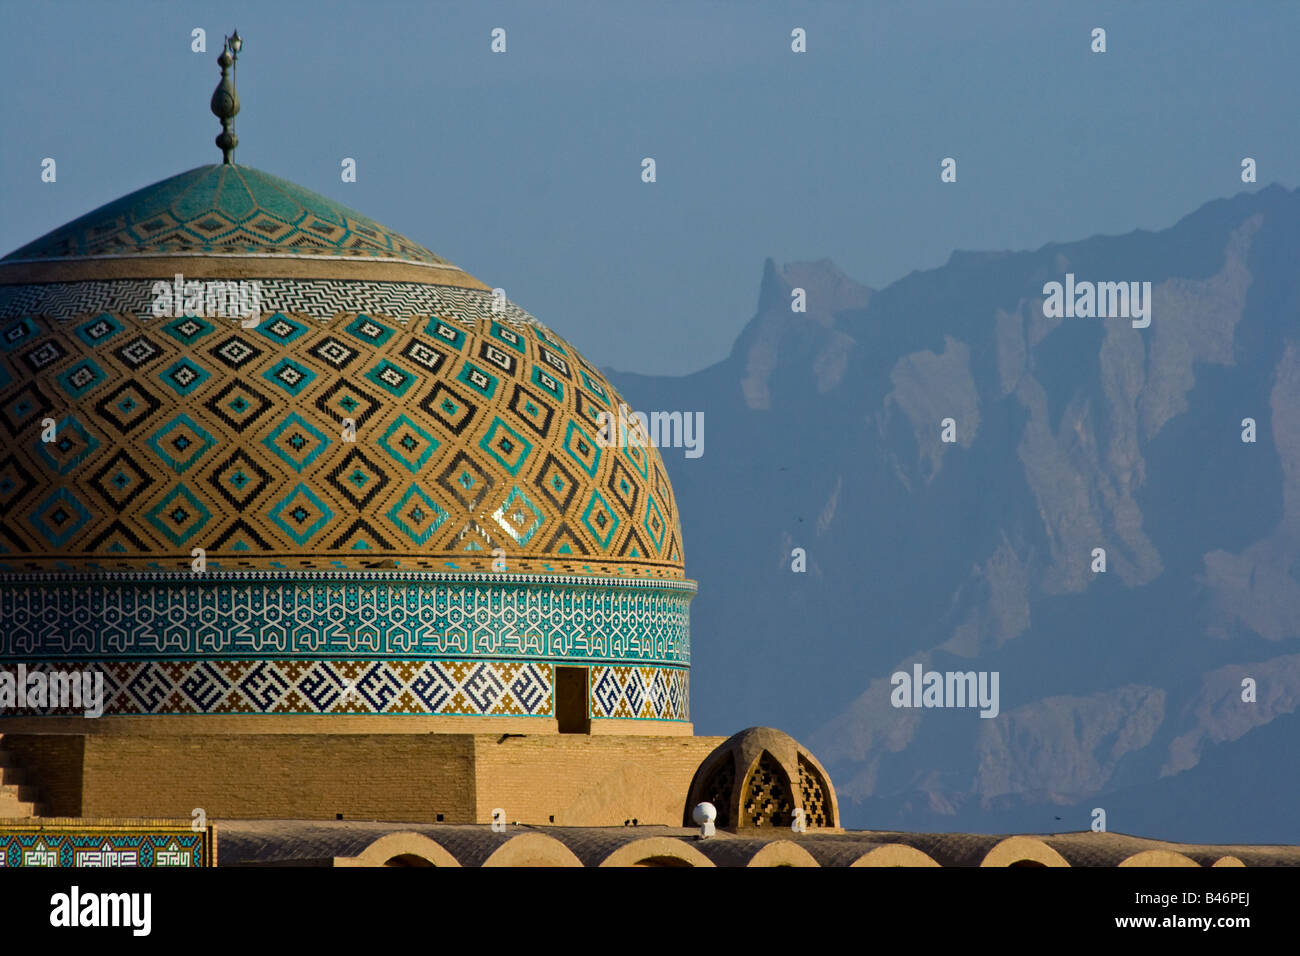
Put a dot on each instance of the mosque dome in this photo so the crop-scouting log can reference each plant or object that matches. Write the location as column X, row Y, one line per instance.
column 385, row 494
column 476, row 428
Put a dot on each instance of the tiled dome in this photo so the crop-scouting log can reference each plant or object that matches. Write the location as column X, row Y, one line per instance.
column 386, row 425
column 475, row 428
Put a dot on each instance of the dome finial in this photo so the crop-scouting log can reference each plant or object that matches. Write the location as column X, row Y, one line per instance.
column 225, row 99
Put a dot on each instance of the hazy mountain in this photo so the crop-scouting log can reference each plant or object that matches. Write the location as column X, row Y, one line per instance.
column 1119, row 690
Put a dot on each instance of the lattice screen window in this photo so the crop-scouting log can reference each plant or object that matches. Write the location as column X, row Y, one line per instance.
column 767, row 800
column 817, row 812
column 717, row 790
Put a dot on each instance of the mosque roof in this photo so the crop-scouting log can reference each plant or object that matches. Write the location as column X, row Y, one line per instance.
column 310, row 842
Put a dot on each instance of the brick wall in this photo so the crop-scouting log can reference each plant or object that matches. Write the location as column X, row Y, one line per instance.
column 53, row 764
column 399, row 777
column 577, row 779
column 587, row 781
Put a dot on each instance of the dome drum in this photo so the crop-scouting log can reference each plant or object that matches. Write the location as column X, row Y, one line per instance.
column 351, row 643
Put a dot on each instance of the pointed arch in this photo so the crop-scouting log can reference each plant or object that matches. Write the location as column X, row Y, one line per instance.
column 767, row 798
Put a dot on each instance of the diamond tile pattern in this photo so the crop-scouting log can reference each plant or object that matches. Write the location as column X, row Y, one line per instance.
column 321, row 439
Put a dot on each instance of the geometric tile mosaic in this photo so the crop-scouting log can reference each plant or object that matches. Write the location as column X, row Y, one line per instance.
column 417, row 515
column 420, row 435
column 58, row 517
column 399, row 303
column 180, row 443
column 179, row 516
column 356, row 614
column 71, row 447
column 481, row 688
column 640, row 693
column 47, row 844
column 301, row 514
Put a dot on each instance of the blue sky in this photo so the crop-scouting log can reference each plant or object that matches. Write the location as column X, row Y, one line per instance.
column 524, row 168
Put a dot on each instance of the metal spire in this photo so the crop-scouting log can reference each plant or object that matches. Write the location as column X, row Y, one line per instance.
column 225, row 100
